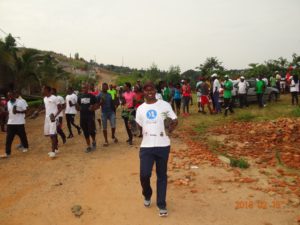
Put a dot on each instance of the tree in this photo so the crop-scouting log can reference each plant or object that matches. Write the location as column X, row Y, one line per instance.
column 210, row 66
column 76, row 56
column 173, row 75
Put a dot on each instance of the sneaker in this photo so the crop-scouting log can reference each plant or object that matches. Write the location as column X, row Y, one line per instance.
column 4, row 156
column 115, row 140
column 88, row 149
column 56, row 151
column 163, row 212
column 25, row 150
column 147, row 203
column 51, row 154
column 94, row 146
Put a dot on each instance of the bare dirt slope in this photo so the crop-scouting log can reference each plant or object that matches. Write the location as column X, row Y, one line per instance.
column 35, row 190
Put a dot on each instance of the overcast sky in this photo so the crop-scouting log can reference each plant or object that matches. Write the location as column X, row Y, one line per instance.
column 164, row 32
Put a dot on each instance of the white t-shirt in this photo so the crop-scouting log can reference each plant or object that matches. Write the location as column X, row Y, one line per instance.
column 158, row 96
column 18, row 118
column 197, row 88
column 294, row 87
column 242, row 87
column 71, row 109
column 51, row 103
column 151, row 118
column 217, row 85
column 61, row 101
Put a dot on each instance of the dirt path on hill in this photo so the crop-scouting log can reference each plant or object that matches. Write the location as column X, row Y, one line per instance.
column 35, row 190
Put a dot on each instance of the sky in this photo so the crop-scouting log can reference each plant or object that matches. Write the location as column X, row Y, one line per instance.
column 138, row 33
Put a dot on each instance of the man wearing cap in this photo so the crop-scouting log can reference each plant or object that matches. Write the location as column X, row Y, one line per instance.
column 228, row 86
column 155, row 146
column 216, row 88
column 243, row 87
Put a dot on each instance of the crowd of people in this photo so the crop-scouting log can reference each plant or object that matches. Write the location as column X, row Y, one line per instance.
column 144, row 109
column 138, row 103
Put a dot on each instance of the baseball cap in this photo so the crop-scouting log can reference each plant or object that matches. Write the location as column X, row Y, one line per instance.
column 242, row 77
column 214, row 75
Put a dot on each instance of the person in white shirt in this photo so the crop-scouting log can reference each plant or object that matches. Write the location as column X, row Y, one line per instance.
column 200, row 81
column 16, row 123
column 61, row 101
column 242, row 88
column 294, row 89
column 52, row 110
column 216, row 93
column 71, row 100
column 155, row 146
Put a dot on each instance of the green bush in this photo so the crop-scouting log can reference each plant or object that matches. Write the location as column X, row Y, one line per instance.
column 241, row 163
column 35, row 103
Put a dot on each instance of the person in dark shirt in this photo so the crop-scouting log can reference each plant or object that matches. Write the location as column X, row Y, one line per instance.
column 108, row 113
column 87, row 104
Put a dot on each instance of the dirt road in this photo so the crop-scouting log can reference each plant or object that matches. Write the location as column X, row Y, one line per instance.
column 35, row 190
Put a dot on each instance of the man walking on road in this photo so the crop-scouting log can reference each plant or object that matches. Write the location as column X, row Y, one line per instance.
column 155, row 146
column 16, row 123
column 87, row 104
column 108, row 113
column 71, row 100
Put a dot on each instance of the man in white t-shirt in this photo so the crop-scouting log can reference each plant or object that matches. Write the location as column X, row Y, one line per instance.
column 52, row 110
column 61, row 101
column 71, row 100
column 216, row 93
column 242, row 87
column 16, row 123
column 155, row 146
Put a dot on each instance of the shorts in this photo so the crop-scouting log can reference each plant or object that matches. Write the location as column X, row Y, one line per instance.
column 111, row 116
column 282, row 84
column 204, row 99
column 50, row 127
column 88, row 126
column 98, row 114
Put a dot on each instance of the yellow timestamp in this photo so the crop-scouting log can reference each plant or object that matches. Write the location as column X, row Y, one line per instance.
column 259, row 204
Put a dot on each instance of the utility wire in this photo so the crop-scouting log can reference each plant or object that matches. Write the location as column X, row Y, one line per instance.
column 14, row 38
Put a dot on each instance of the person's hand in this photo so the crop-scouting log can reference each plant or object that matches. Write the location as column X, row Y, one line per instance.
column 70, row 103
column 52, row 117
column 91, row 108
column 172, row 126
column 15, row 109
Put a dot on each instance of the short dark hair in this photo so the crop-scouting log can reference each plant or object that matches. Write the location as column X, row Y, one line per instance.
column 128, row 84
column 48, row 88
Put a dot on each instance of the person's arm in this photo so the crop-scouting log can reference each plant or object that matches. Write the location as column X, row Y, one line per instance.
column 22, row 111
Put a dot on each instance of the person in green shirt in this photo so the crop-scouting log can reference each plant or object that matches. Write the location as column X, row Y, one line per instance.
column 260, row 89
column 228, row 86
column 273, row 81
column 166, row 93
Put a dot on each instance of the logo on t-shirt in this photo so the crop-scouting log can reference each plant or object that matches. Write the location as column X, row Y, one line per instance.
column 151, row 114
column 85, row 101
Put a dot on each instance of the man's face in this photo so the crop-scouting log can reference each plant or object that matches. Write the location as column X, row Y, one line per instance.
column 84, row 89
column 104, row 87
column 149, row 93
column 11, row 96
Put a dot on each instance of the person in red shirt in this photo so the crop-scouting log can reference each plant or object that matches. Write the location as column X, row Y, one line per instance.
column 128, row 102
column 186, row 96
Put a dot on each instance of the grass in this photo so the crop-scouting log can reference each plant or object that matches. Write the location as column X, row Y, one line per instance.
column 295, row 112
column 245, row 116
column 241, row 163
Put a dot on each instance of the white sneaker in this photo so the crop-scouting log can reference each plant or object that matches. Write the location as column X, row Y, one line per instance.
column 25, row 150
column 51, row 154
column 57, row 151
